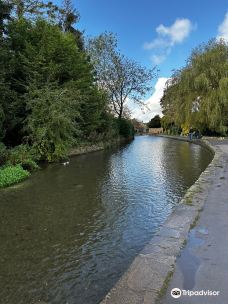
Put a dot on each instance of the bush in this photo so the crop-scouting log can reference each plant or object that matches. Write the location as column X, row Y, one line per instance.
column 23, row 155
column 29, row 165
column 126, row 128
column 4, row 154
column 51, row 124
column 11, row 175
column 19, row 155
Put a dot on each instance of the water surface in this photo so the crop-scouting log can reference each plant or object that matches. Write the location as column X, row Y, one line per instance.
column 69, row 232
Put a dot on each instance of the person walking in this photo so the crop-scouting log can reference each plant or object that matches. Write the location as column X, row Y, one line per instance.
column 190, row 133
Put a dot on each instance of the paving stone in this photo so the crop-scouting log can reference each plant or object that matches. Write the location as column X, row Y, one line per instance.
column 147, row 274
column 123, row 296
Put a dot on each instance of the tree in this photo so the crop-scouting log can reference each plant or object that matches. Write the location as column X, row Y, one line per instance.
column 40, row 55
column 68, row 17
column 49, row 97
column 155, row 122
column 120, row 77
column 5, row 10
column 34, row 9
column 51, row 123
column 197, row 94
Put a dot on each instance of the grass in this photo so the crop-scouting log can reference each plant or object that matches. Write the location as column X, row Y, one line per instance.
column 11, row 175
column 184, row 243
column 194, row 222
column 188, row 199
column 165, row 285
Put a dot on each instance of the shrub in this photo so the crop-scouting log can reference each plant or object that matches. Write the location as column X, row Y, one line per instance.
column 19, row 155
column 126, row 128
column 23, row 155
column 51, row 124
column 12, row 175
column 4, row 154
column 29, row 165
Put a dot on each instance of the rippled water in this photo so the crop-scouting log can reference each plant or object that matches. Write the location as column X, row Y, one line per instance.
column 69, row 232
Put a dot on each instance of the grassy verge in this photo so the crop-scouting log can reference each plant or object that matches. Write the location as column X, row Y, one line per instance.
column 11, row 175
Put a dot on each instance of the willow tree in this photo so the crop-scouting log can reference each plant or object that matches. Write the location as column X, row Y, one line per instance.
column 197, row 95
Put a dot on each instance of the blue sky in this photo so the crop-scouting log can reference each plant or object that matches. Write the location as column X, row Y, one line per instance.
column 156, row 32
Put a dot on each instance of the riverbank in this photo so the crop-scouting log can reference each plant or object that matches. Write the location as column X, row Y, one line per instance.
column 202, row 264
column 147, row 279
column 87, row 148
column 16, row 173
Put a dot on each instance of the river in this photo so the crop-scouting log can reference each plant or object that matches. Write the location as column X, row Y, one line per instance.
column 68, row 233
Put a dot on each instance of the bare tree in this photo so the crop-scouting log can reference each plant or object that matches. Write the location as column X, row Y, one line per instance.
column 121, row 77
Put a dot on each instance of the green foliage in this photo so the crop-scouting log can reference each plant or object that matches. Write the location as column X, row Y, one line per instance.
column 69, row 16
column 155, row 122
column 4, row 154
column 22, row 155
column 29, row 165
column 126, row 128
column 19, row 154
column 34, row 8
column 51, row 122
column 5, row 9
column 197, row 95
column 11, row 175
column 49, row 99
column 53, row 101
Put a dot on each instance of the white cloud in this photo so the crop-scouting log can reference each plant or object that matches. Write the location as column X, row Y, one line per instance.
column 156, row 43
column 177, row 32
column 223, row 29
column 157, row 59
column 167, row 37
column 153, row 103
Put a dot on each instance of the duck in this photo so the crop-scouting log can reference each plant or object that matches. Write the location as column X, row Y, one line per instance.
column 65, row 163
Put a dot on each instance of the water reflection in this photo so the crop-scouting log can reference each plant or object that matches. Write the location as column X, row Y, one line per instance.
column 68, row 233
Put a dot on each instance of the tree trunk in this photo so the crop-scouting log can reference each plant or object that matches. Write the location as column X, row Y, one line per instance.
column 121, row 110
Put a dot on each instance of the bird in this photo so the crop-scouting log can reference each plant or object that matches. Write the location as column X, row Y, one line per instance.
column 65, row 163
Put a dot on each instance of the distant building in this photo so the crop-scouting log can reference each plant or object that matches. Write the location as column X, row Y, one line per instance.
column 140, row 127
column 155, row 131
